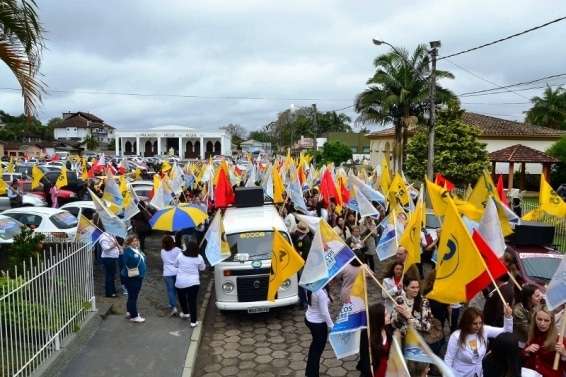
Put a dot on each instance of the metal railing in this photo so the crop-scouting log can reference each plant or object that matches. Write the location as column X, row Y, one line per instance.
column 558, row 223
column 42, row 303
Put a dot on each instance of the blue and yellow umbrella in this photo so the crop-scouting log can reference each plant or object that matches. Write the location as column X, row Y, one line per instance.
column 176, row 218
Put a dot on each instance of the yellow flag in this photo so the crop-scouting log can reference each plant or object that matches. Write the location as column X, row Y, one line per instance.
column 483, row 189
column 156, row 182
column 11, row 168
column 549, row 200
column 277, row 186
column 84, row 170
column 533, row 215
column 165, row 166
column 285, row 262
column 62, row 178
column 411, row 237
column 3, row 185
column 36, row 175
column 459, row 261
column 137, row 174
column 385, row 179
column 398, row 190
column 123, row 185
column 439, row 198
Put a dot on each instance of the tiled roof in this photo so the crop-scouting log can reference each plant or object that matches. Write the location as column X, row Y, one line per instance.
column 520, row 153
column 81, row 120
column 493, row 127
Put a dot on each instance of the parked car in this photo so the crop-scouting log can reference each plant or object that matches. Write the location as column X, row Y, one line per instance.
column 80, row 207
column 28, row 200
column 9, row 228
column 536, row 264
column 75, row 184
column 53, row 222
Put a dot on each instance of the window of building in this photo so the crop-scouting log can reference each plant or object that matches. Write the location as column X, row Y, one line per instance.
column 354, row 149
column 366, row 149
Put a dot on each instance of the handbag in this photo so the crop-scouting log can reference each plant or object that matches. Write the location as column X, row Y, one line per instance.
column 135, row 271
column 436, row 332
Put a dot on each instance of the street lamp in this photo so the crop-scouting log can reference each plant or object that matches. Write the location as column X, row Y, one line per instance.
column 434, row 45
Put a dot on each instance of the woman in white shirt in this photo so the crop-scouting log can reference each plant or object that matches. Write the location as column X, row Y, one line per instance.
column 319, row 322
column 169, row 254
column 467, row 346
column 392, row 285
column 189, row 263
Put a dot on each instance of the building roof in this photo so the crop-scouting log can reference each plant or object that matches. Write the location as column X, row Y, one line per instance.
column 491, row 127
column 521, row 153
column 82, row 120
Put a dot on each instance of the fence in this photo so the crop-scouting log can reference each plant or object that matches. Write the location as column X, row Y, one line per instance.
column 558, row 223
column 42, row 303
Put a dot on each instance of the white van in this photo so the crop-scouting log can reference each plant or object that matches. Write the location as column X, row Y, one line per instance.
column 242, row 280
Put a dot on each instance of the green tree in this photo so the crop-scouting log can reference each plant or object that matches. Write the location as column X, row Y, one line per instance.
column 398, row 94
column 458, row 154
column 336, row 152
column 237, row 133
column 21, row 44
column 27, row 244
column 550, row 110
column 558, row 150
column 91, row 143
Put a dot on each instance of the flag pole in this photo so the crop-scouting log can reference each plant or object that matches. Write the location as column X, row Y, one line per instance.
column 514, row 280
column 491, row 276
column 367, row 320
column 560, row 341
column 370, row 273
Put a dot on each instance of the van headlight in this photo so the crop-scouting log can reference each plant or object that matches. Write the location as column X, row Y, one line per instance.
column 286, row 284
column 228, row 287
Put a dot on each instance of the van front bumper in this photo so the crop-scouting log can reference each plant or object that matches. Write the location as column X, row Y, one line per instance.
column 225, row 305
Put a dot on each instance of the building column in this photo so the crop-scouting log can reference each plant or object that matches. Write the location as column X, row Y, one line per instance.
column 117, row 145
column 546, row 170
column 138, row 145
column 510, row 178
column 159, row 145
column 202, row 148
column 223, row 147
column 522, row 182
column 180, row 147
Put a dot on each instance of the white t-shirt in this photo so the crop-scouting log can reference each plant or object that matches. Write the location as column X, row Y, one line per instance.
column 188, row 270
column 317, row 311
column 109, row 246
column 169, row 259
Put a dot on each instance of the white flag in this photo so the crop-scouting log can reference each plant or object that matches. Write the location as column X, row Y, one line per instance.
column 216, row 249
column 364, row 205
column 490, row 229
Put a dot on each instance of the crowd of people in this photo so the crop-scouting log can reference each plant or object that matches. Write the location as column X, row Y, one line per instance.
column 485, row 337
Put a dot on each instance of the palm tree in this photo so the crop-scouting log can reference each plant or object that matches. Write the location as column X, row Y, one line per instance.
column 21, row 43
column 398, row 93
column 550, row 110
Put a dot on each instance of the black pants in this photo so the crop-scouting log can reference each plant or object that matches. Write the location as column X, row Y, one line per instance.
column 109, row 275
column 133, row 285
column 319, row 332
column 188, row 300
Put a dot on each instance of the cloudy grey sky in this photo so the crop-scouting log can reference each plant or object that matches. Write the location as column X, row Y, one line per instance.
column 281, row 51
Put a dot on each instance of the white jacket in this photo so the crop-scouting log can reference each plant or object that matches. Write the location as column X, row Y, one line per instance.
column 463, row 360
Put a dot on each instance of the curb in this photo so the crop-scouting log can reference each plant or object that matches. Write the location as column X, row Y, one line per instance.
column 196, row 336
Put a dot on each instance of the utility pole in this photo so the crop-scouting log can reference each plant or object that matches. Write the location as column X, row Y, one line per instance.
column 435, row 45
column 315, row 125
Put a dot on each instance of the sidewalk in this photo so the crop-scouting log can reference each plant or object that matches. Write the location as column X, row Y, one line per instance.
column 157, row 347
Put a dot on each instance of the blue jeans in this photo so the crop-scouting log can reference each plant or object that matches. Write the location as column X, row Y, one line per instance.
column 171, row 291
column 133, row 285
column 109, row 265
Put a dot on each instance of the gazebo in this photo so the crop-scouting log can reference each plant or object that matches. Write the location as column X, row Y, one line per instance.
column 521, row 154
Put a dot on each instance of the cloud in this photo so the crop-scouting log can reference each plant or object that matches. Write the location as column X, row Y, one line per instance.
column 281, row 52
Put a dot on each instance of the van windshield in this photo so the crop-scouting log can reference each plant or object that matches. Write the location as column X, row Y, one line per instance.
column 256, row 244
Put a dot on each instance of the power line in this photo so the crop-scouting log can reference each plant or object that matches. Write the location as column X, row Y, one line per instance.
column 550, row 77
column 504, row 39
column 189, row 96
column 483, row 78
column 495, row 103
column 518, row 90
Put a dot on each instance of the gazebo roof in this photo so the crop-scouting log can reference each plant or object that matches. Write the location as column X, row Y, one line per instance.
column 521, row 153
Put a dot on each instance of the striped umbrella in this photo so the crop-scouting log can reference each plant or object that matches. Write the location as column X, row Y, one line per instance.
column 176, row 218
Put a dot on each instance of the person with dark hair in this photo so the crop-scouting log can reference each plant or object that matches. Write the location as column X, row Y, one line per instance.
column 543, row 344
column 319, row 322
column 381, row 338
column 412, row 308
column 392, row 284
column 140, row 223
column 503, row 358
column 418, row 369
column 530, row 300
column 133, row 272
column 110, row 252
column 169, row 255
column 468, row 346
column 493, row 308
column 189, row 264
column 516, row 206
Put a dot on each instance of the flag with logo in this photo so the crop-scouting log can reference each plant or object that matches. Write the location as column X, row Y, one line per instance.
column 62, row 178
column 411, row 237
column 549, row 200
column 336, row 255
column 345, row 335
column 113, row 195
column 439, row 199
column 36, row 176
column 398, row 191
column 87, row 231
column 315, row 267
column 459, row 263
column 385, row 177
column 163, row 196
column 416, row 349
column 131, row 203
column 556, row 291
column 217, row 247
column 285, row 262
column 388, row 243
column 112, row 223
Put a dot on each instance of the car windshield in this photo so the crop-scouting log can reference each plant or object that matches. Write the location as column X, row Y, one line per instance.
column 9, row 228
column 256, row 244
column 64, row 220
column 541, row 267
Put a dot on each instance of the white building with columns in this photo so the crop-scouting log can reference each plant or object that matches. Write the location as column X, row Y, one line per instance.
column 180, row 141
